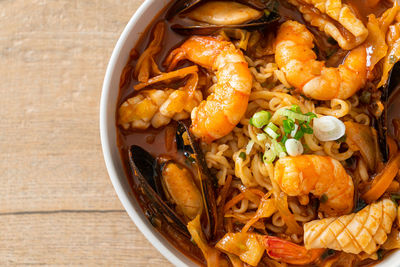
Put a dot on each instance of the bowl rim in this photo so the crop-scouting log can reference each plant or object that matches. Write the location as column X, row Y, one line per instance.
column 106, row 146
column 142, row 224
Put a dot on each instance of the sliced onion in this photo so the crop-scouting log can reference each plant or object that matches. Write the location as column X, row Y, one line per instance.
column 328, row 128
column 249, row 147
column 294, row 147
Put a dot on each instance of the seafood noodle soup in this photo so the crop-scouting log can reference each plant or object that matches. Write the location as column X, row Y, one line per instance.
column 265, row 133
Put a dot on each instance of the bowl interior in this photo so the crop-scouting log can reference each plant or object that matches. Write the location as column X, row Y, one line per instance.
column 136, row 26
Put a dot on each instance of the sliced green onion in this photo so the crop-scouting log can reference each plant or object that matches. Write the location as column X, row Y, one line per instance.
column 260, row 119
column 273, row 126
column 269, row 156
column 284, row 139
column 271, row 130
column 311, row 115
column 242, row 155
column 288, row 126
column 249, row 147
column 306, row 128
column 296, row 109
column 261, row 137
column 294, row 115
column 271, row 133
column 278, row 147
column 293, row 133
column 299, row 134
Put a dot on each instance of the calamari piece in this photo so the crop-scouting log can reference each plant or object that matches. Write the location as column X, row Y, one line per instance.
column 337, row 12
column 355, row 233
column 157, row 107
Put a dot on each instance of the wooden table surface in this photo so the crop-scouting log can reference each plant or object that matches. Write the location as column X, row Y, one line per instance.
column 57, row 205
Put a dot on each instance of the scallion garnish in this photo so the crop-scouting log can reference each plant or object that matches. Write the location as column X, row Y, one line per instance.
column 242, row 155
column 261, row 137
column 272, row 130
column 249, row 147
column 260, row 119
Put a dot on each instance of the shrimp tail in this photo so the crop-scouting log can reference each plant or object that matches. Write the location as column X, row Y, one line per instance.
column 285, row 251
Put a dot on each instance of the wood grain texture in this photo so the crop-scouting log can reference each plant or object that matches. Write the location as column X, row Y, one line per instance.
column 53, row 56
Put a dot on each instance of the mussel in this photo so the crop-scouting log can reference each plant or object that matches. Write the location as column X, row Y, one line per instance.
column 147, row 170
column 391, row 101
column 210, row 16
column 187, row 144
column 177, row 192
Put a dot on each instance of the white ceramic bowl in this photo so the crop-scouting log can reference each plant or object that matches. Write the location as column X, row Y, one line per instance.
column 132, row 32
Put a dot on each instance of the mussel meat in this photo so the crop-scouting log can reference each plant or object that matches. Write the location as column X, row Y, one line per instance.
column 187, row 144
column 211, row 16
column 391, row 112
column 177, row 192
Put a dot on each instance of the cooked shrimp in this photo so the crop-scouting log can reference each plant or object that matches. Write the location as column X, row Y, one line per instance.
column 363, row 231
column 295, row 57
column 223, row 109
column 285, row 251
column 321, row 176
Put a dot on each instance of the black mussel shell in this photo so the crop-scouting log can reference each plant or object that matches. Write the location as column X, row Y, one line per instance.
column 208, row 29
column 389, row 91
column 189, row 146
column 146, row 169
column 180, row 6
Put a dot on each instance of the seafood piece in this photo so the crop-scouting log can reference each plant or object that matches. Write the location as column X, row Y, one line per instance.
column 321, row 176
column 217, row 15
column 181, row 6
column 390, row 92
column 223, row 109
column 285, row 251
column 157, row 108
column 146, row 169
column 295, row 57
column 224, row 13
column 363, row 231
column 247, row 246
column 179, row 185
column 340, row 13
column 186, row 143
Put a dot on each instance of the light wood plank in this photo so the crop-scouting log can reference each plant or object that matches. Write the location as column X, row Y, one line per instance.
column 53, row 56
column 74, row 239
